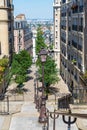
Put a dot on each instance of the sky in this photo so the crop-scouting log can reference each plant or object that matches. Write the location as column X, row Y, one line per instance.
column 34, row 9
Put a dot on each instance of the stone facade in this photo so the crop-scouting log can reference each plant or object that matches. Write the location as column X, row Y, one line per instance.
column 6, row 27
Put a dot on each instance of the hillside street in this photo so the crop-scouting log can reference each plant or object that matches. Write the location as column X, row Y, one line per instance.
column 22, row 112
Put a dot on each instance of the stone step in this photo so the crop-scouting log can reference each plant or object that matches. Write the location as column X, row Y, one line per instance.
column 29, row 107
column 6, row 123
column 25, row 123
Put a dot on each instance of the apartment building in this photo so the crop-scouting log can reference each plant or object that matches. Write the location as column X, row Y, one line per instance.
column 73, row 59
column 22, row 34
column 56, row 17
column 6, row 28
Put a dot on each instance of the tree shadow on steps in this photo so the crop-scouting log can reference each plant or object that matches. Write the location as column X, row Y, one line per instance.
column 53, row 90
column 29, row 71
column 28, row 78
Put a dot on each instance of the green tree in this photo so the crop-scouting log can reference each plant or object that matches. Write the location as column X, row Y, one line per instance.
column 4, row 62
column 21, row 62
column 50, row 72
column 50, row 67
column 39, row 40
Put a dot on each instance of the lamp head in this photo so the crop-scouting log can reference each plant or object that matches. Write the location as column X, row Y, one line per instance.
column 43, row 55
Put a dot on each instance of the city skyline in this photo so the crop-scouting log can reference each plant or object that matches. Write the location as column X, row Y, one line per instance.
column 34, row 9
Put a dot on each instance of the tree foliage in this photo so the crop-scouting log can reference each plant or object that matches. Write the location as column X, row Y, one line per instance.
column 50, row 67
column 3, row 66
column 50, row 71
column 4, row 62
column 21, row 62
column 39, row 40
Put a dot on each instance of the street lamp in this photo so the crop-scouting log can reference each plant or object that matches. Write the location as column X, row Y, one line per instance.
column 37, row 96
column 34, row 91
column 43, row 116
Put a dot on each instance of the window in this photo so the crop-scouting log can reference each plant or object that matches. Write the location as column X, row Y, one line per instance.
column 81, row 24
column 81, row 6
column 63, row 1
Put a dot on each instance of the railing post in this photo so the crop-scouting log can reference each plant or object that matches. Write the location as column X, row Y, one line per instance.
column 69, row 122
column 8, row 104
column 54, row 116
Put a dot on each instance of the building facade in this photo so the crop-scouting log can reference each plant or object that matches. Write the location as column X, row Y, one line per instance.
column 73, row 59
column 22, row 34
column 6, row 28
column 34, row 31
column 56, row 16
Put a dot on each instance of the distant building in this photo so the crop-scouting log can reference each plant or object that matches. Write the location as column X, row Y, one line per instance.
column 56, row 16
column 6, row 28
column 22, row 34
column 34, row 45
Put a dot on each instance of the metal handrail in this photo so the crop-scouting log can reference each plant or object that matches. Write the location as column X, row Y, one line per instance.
column 69, row 113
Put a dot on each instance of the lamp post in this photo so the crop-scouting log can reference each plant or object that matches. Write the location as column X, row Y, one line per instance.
column 37, row 94
column 43, row 116
column 54, row 116
column 69, row 122
column 34, row 91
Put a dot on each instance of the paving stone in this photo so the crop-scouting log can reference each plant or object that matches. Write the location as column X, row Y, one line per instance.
column 25, row 123
column 1, row 121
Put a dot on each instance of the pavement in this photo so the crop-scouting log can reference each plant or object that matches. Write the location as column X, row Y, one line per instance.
column 22, row 112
